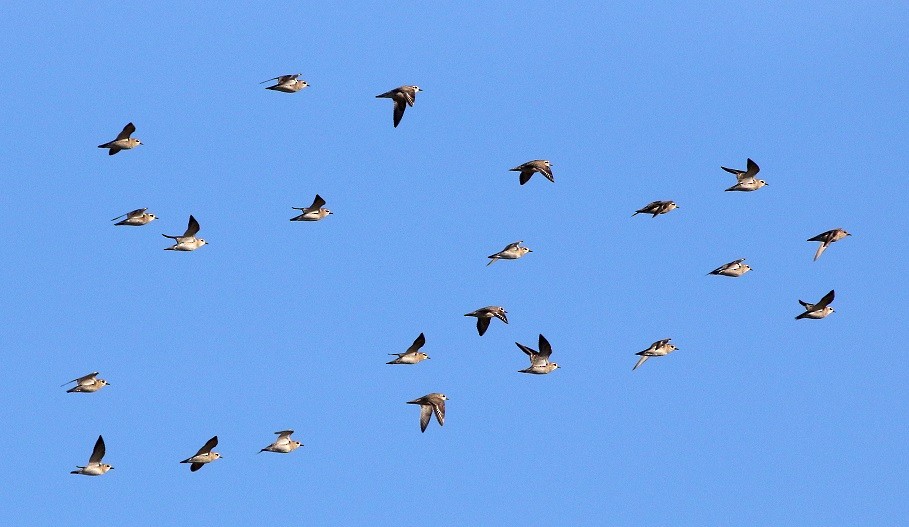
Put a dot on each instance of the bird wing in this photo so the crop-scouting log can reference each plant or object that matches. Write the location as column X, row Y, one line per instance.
column 734, row 171
column 525, row 176
column 196, row 466
column 545, row 348
column 206, row 448
column 400, row 106
column 825, row 301
column 500, row 314
column 438, row 406
column 642, row 360
column 284, row 434
column 820, row 249
column 483, row 325
column 512, row 246
column 752, row 170
column 409, row 94
column 126, row 132
column 79, row 380
column 417, row 344
column 317, row 203
column 425, row 412
column 192, row 228
column 529, row 351
column 822, row 237
column 97, row 452
column 546, row 171
column 135, row 213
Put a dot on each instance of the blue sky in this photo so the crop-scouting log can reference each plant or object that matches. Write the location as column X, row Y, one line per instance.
column 758, row 419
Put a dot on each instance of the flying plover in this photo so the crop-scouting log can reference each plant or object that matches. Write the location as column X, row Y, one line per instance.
column 659, row 348
column 413, row 354
column 187, row 242
column 204, row 455
column 484, row 317
column 528, row 169
column 403, row 97
column 95, row 467
column 819, row 310
column 656, row 208
column 539, row 360
column 87, row 384
column 429, row 404
column 826, row 238
column 136, row 218
column 287, row 83
column 512, row 251
column 745, row 180
column 314, row 212
column 123, row 140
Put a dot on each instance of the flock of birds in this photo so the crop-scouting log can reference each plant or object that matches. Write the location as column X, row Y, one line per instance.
column 433, row 403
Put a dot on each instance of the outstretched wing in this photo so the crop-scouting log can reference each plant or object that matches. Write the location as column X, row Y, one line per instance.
column 529, row 351
column 482, row 325
column 545, row 348
column 317, row 203
column 79, row 380
column 210, row 444
column 825, row 301
column 126, row 132
column 284, row 435
column 417, row 344
column 425, row 412
column 400, row 106
column 192, row 228
column 752, row 170
column 438, row 406
column 97, row 452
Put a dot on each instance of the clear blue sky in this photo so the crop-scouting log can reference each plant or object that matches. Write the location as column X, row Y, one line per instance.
column 758, row 419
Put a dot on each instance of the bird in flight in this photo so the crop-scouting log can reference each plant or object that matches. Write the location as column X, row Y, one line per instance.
column 403, row 97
